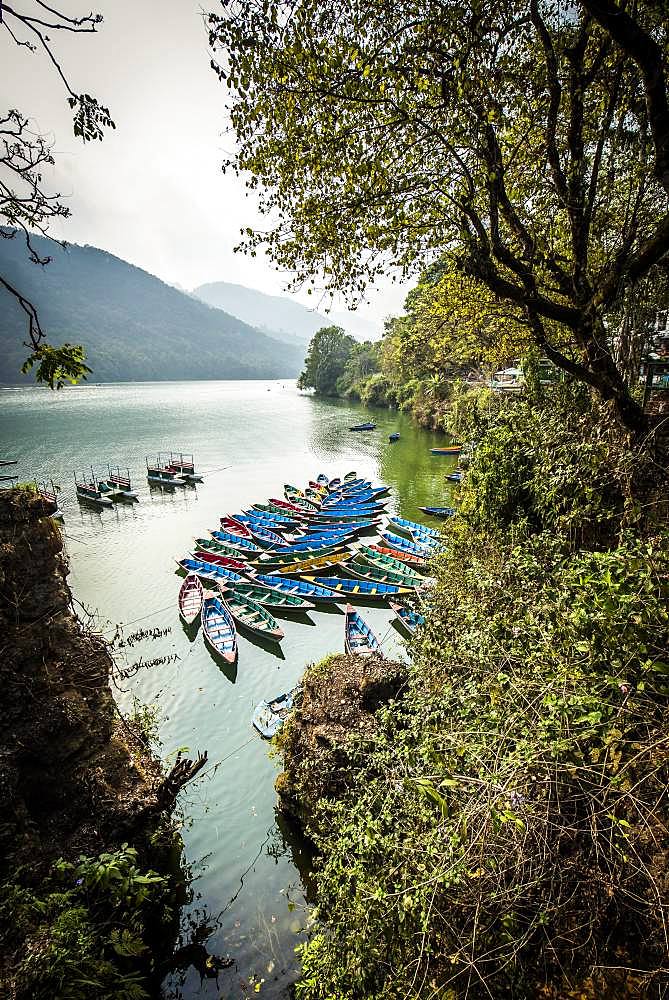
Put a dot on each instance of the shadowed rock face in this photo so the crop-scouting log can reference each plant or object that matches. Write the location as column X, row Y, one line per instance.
column 339, row 698
column 71, row 777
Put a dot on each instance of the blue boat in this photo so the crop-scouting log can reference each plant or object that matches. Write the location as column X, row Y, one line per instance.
column 219, row 628
column 402, row 545
column 323, row 480
column 426, row 540
column 298, row 588
column 236, row 540
column 358, row 498
column 265, row 536
column 267, row 519
column 352, row 527
column 407, row 618
column 393, row 437
column 363, row 427
column 358, row 636
column 402, row 525
column 347, row 514
column 310, row 545
column 455, row 477
column 357, row 588
column 438, row 511
column 269, row 716
column 210, row 571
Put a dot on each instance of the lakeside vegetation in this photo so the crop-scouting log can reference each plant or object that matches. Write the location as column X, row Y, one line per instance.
column 501, row 829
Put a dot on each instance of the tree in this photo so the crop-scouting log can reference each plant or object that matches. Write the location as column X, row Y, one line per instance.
column 525, row 139
column 26, row 206
column 329, row 351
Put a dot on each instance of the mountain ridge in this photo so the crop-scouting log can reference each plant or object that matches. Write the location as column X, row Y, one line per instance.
column 134, row 326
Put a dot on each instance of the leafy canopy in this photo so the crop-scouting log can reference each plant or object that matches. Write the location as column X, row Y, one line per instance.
column 326, row 360
column 520, row 139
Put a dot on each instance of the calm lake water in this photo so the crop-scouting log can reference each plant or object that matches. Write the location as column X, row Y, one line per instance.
column 248, row 438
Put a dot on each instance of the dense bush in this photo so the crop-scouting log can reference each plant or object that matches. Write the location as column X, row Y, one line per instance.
column 503, row 832
column 86, row 931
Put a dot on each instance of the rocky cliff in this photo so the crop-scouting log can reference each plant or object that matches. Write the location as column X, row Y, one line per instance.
column 77, row 784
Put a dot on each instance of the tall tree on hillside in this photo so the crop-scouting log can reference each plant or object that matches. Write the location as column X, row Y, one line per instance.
column 329, row 351
column 526, row 138
column 26, row 205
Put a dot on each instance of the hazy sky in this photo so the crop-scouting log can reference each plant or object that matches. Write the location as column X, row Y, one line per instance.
column 153, row 191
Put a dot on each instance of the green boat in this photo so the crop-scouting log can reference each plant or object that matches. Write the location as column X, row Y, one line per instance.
column 251, row 615
column 379, row 574
column 370, row 556
column 272, row 597
column 223, row 549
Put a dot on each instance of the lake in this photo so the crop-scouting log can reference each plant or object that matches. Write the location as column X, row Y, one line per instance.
column 248, row 439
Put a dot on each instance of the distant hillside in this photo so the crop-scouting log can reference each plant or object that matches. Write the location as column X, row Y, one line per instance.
column 278, row 315
column 134, row 327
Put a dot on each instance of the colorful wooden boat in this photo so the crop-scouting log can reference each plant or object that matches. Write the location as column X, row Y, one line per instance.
column 406, row 527
column 344, row 517
column 380, row 574
column 303, row 507
column 334, row 484
column 269, row 716
column 310, row 591
column 237, row 542
column 366, row 554
column 120, row 485
column 402, row 545
column 276, row 559
column 223, row 548
column 266, row 537
column 162, row 475
column 311, row 546
column 314, row 495
column 407, row 618
column 428, row 541
column 282, row 522
column 455, row 477
column 358, row 636
column 369, row 426
column 234, row 527
column 418, row 562
column 88, row 492
column 323, row 480
column 191, row 598
column 251, row 615
column 272, row 597
column 292, row 491
column 48, row 493
column 283, row 508
column 318, row 563
column 357, row 588
column 182, row 464
column 348, row 477
column 204, row 555
column 265, row 522
column 438, row 511
column 210, row 571
column 451, row 449
column 393, row 437
column 350, row 528
column 219, row 628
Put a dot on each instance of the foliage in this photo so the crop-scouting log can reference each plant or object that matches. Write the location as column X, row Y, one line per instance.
column 329, row 352
column 529, row 142
column 57, row 365
column 85, row 931
column 502, row 831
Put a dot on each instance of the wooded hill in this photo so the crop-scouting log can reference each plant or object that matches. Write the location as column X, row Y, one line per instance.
column 134, row 326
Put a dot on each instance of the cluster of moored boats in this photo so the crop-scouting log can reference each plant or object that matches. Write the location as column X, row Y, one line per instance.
column 102, row 489
column 305, row 549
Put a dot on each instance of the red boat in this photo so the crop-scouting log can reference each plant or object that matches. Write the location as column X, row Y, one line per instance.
column 191, row 597
column 287, row 506
column 405, row 557
column 220, row 560
column 236, row 528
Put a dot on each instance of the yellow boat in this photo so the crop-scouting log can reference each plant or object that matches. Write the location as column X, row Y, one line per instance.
column 317, row 563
